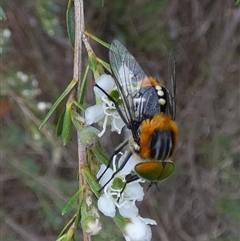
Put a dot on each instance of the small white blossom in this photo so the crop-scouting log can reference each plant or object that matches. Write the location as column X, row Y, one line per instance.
column 104, row 109
column 133, row 189
column 106, row 205
column 113, row 197
column 129, row 209
column 138, row 229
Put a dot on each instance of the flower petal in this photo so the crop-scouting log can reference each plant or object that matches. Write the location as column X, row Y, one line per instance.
column 149, row 221
column 129, row 167
column 93, row 114
column 106, row 82
column 137, row 230
column 128, row 210
column 117, row 125
column 107, row 206
column 134, row 191
column 106, row 175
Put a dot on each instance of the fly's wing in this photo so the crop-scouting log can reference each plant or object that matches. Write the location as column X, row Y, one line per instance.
column 129, row 76
column 171, row 85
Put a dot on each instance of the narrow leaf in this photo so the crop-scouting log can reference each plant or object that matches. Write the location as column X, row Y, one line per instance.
column 92, row 62
column 3, row 16
column 79, row 213
column 70, row 19
column 83, row 87
column 78, row 121
column 104, row 64
column 67, row 124
column 61, row 238
column 97, row 39
column 55, row 105
column 65, row 229
column 72, row 201
column 100, row 156
column 91, row 180
column 59, row 127
column 81, row 107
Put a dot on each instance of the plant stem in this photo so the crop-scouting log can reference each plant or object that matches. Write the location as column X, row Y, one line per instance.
column 77, row 75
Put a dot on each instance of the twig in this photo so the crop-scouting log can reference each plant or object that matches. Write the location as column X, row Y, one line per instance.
column 77, row 74
column 86, row 43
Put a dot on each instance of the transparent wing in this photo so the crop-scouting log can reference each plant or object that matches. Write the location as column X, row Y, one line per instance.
column 171, row 85
column 129, row 76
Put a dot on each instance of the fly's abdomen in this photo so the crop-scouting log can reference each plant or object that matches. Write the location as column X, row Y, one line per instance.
column 161, row 144
column 157, row 138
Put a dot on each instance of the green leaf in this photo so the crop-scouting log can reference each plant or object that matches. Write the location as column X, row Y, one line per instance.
column 55, row 105
column 104, row 64
column 78, row 121
column 237, row 2
column 72, row 201
column 107, row 45
column 59, row 127
column 92, row 62
column 3, row 16
column 81, row 107
column 67, row 124
column 92, row 162
column 61, row 238
column 69, row 236
column 100, row 156
column 63, row 234
column 83, row 87
column 91, row 180
column 70, row 19
column 79, row 213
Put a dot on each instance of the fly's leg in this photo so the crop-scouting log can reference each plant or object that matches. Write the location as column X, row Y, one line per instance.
column 129, row 178
column 119, row 148
column 129, row 154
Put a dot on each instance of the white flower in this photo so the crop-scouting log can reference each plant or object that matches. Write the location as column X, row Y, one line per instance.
column 104, row 110
column 129, row 209
column 106, row 205
column 114, row 195
column 133, row 189
column 138, row 229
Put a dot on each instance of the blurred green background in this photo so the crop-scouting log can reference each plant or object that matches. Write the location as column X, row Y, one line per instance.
column 201, row 200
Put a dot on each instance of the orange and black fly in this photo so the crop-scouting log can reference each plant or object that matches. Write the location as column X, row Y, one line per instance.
column 149, row 111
